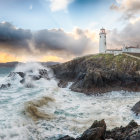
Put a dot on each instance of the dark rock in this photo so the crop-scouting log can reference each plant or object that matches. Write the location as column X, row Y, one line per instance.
column 81, row 76
column 62, row 83
column 95, row 132
column 21, row 74
column 123, row 133
column 99, row 124
column 22, row 81
column 134, row 135
column 29, row 85
column 34, row 77
column 12, row 74
column 66, row 138
column 44, row 73
column 5, row 86
column 136, row 108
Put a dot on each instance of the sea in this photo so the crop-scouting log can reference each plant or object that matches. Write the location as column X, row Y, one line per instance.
column 70, row 113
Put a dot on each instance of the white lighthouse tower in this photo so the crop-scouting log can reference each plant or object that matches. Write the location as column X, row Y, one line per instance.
column 102, row 41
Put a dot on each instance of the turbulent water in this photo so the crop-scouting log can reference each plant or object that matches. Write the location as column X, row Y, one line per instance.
column 71, row 112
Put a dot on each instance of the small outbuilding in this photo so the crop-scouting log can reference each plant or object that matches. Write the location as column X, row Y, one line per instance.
column 114, row 51
column 131, row 49
column 103, row 46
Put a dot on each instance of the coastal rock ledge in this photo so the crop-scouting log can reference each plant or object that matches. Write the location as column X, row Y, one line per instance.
column 98, row 132
column 100, row 73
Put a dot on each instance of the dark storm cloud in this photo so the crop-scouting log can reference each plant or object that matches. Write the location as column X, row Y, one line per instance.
column 14, row 39
column 58, row 40
column 20, row 41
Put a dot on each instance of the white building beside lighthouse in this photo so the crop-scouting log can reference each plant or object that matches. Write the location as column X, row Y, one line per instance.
column 102, row 41
column 103, row 46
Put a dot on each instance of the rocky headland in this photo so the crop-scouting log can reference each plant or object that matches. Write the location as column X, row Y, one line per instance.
column 100, row 73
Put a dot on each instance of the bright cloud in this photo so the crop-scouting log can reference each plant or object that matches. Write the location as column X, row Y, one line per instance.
column 128, row 36
column 57, row 5
column 130, row 8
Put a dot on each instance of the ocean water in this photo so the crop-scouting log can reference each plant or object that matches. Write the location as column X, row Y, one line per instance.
column 71, row 112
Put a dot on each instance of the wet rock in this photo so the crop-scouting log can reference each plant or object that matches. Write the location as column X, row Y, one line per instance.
column 44, row 73
column 62, row 84
column 22, row 81
column 134, row 135
column 67, row 138
column 95, row 132
column 136, row 108
column 34, row 77
column 5, row 86
column 124, row 133
column 12, row 74
column 99, row 124
column 29, row 85
column 21, row 74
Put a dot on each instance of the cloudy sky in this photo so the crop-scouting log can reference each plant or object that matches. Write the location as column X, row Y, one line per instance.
column 60, row 30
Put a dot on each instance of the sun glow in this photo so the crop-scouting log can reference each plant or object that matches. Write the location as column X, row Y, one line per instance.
column 51, row 58
column 5, row 57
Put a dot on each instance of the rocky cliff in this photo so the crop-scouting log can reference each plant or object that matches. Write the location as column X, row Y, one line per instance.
column 100, row 73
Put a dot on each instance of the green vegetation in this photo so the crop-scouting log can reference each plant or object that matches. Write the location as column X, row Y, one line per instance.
column 119, row 62
column 135, row 54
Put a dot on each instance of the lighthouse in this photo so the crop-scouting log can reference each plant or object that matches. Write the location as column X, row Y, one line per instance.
column 102, row 41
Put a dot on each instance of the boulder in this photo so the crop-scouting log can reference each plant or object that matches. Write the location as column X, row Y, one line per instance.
column 29, row 85
column 62, row 83
column 5, row 86
column 123, row 133
column 21, row 74
column 35, row 77
column 22, row 81
column 95, row 132
column 67, row 138
column 44, row 73
column 136, row 108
